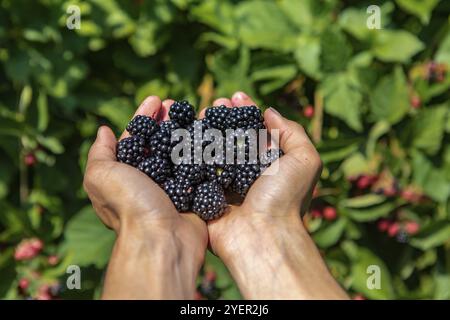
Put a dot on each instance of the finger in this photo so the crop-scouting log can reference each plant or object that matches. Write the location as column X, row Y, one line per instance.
column 149, row 107
column 104, row 147
column 164, row 111
column 240, row 99
column 218, row 102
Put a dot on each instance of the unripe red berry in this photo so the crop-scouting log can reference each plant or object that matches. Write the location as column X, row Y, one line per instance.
column 329, row 213
column 393, row 229
column 316, row 213
column 308, row 111
column 416, row 102
column 383, row 225
column 210, row 276
column 412, row 227
column 363, row 182
column 359, row 297
column 24, row 283
column 30, row 159
column 53, row 260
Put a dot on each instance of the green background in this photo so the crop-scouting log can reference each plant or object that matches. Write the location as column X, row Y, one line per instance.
column 58, row 85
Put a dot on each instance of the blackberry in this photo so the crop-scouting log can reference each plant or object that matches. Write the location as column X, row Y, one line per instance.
column 131, row 150
column 192, row 172
column 182, row 112
column 243, row 147
column 209, row 201
column 156, row 168
column 142, row 126
column 160, row 143
column 248, row 117
column 223, row 174
column 270, row 156
column 217, row 117
column 246, row 174
column 181, row 192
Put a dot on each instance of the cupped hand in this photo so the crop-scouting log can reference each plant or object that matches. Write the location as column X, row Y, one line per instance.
column 126, row 199
column 274, row 202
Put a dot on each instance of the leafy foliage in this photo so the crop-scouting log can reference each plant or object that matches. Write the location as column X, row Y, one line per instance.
column 381, row 123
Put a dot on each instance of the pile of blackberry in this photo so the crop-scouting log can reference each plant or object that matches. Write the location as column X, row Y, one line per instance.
column 193, row 186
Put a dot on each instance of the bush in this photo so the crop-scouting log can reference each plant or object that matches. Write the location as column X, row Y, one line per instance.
column 375, row 102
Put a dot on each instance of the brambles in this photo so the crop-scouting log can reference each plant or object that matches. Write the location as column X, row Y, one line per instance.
column 190, row 185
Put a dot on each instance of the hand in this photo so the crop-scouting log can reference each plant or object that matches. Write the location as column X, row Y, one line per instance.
column 262, row 240
column 158, row 252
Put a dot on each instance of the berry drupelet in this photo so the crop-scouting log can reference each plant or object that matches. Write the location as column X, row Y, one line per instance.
column 156, row 168
column 142, row 126
column 182, row 112
column 209, row 201
column 131, row 150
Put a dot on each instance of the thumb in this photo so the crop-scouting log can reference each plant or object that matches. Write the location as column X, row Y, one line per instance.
column 104, row 147
column 294, row 141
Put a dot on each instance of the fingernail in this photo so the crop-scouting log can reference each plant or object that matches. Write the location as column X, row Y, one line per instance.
column 240, row 95
column 275, row 111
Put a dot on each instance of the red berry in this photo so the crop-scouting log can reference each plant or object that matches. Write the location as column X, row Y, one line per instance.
column 198, row 295
column 329, row 213
column 390, row 191
column 416, row 102
column 359, row 297
column 30, row 159
column 24, row 283
column 28, row 249
column 383, row 225
column 412, row 227
column 210, row 276
column 308, row 111
column 393, row 229
column 53, row 260
column 363, row 182
column 316, row 213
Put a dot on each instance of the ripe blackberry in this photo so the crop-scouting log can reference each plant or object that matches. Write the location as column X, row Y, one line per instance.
column 246, row 174
column 142, row 126
column 156, row 168
column 131, row 150
column 223, row 174
column 160, row 142
column 209, row 200
column 192, row 172
column 243, row 147
column 217, row 117
column 181, row 192
column 182, row 112
column 270, row 156
column 248, row 117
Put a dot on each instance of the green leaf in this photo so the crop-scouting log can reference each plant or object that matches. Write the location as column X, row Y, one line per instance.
column 355, row 165
column 263, row 25
column 361, row 261
column 432, row 236
column 396, row 45
column 370, row 213
column 329, row 236
column 420, row 8
column 335, row 50
column 343, row 99
column 390, row 99
column 363, row 201
column 88, row 240
column 428, row 129
column 43, row 116
column 307, row 55
column 443, row 53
